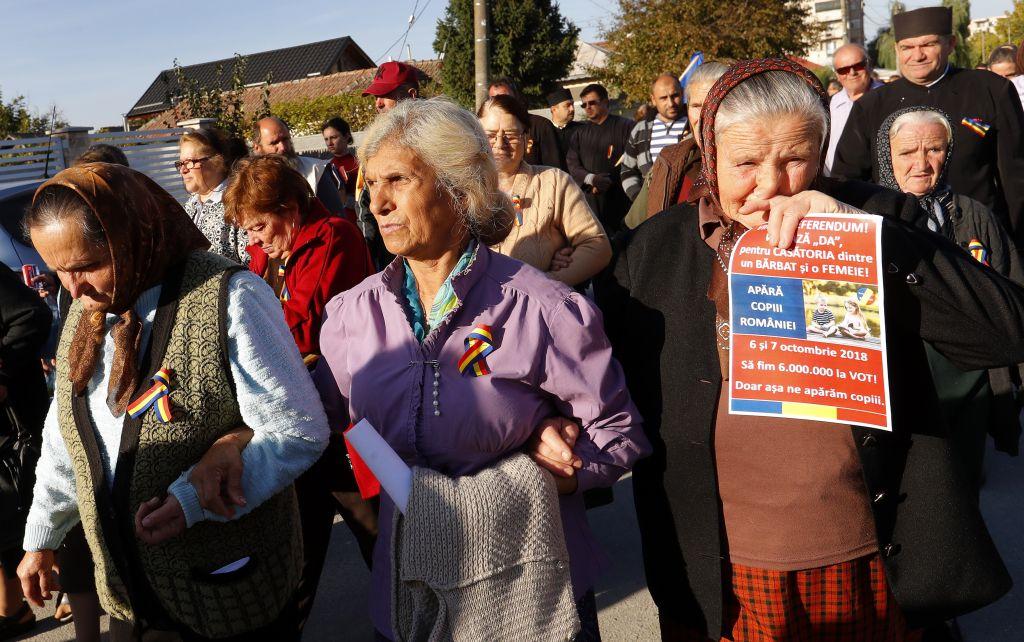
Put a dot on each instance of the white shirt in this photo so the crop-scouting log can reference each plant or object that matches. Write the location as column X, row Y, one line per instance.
column 840, row 107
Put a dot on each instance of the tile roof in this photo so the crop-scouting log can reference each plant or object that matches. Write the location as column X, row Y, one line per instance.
column 344, row 82
column 280, row 65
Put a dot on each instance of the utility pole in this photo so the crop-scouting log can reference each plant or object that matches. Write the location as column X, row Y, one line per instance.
column 481, row 49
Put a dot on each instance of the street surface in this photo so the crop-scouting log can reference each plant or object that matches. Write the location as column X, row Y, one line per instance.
column 626, row 611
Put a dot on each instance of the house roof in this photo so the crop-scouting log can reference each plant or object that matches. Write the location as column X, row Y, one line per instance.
column 344, row 82
column 280, row 65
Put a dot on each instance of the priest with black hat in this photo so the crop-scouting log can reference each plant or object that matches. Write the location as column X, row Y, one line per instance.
column 563, row 115
column 985, row 110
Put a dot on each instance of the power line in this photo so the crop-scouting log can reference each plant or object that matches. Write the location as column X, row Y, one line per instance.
column 404, row 33
column 412, row 21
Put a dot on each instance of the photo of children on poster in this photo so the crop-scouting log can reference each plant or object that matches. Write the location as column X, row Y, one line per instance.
column 808, row 333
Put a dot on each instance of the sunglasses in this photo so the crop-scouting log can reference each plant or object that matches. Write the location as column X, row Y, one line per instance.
column 849, row 69
column 589, row 103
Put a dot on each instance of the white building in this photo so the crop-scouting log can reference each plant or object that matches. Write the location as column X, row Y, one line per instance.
column 843, row 21
column 985, row 24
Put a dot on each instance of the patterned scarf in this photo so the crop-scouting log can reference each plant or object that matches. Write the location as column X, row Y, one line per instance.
column 444, row 301
column 707, row 184
column 147, row 232
column 936, row 204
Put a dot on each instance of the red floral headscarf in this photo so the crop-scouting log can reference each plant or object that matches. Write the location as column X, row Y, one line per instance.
column 707, row 184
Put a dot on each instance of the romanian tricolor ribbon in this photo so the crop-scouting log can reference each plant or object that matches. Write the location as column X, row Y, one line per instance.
column 479, row 344
column 517, row 203
column 976, row 125
column 157, row 397
column 284, row 286
column 978, row 251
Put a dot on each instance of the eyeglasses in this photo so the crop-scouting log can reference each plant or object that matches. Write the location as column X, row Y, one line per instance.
column 190, row 163
column 589, row 103
column 849, row 69
column 511, row 138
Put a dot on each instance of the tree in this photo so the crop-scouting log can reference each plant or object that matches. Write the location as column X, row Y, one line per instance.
column 962, row 30
column 531, row 43
column 883, row 47
column 16, row 117
column 221, row 101
column 649, row 37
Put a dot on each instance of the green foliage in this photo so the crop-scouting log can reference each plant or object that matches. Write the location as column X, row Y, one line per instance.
column 304, row 117
column 17, row 118
column 883, row 48
column 530, row 42
column 825, row 75
column 649, row 37
column 962, row 30
column 222, row 101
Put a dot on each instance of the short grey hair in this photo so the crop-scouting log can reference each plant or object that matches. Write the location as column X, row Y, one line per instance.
column 706, row 74
column 861, row 48
column 449, row 140
column 769, row 95
column 921, row 117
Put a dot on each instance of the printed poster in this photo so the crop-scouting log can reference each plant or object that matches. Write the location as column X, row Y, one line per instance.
column 807, row 331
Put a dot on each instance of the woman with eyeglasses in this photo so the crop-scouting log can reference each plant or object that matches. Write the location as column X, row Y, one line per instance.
column 204, row 161
column 555, row 230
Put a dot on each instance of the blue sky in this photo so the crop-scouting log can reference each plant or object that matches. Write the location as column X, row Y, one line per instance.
column 94, row 59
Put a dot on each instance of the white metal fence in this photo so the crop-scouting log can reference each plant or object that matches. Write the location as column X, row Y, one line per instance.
column 27, row 159
column 151, row 152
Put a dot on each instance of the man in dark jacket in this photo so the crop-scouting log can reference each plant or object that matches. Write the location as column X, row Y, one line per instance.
column 563, row 117
column 24, row 327
column 985, row 111
column 594, row 158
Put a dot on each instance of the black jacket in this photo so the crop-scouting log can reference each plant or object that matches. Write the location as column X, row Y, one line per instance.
column 24, row 327
column 939, row 558
column 989, row 168
column 545, row 149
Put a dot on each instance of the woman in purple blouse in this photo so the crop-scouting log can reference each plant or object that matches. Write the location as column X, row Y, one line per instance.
column 395, row 349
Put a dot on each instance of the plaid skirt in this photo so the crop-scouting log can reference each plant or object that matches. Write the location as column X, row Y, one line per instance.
column 845, row 602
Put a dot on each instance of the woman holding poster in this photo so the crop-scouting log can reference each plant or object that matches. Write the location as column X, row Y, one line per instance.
column 773, row 528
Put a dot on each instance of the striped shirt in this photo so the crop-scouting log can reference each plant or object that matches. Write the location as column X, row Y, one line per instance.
column 665, row 134
column 823, row 317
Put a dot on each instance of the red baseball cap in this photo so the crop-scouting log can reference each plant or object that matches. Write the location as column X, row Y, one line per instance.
column 390, row 76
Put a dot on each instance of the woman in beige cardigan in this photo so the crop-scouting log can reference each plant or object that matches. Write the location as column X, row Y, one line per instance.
column 555, row 230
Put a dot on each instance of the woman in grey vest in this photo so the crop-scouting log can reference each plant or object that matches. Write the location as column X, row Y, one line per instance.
column 168, row 352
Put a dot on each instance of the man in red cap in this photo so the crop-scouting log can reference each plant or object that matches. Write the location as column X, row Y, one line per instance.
column 393, row 82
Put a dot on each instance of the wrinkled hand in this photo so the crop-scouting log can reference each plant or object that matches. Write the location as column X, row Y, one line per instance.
column 602, row 183
column 45, row 284
column 551, row 446
column 217, row 477
column 36, row 574
column 785, row 213
column 158, row 520
column 561, row 260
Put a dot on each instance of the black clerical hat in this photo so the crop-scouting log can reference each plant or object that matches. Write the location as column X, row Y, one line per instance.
column 927, row 21
column 559, row 96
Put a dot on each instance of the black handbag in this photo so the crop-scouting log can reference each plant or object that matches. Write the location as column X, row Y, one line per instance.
column 18, row 457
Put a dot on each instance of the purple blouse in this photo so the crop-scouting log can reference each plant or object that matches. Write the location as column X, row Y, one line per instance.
column 551, row 359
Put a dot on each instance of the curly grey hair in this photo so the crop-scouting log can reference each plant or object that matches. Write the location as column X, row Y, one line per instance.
column 452, row 143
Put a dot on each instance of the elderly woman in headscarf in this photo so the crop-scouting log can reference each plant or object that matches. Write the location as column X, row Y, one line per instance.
column 169, row 354
column 455, row 353
column 763, row 528
column 914, row 146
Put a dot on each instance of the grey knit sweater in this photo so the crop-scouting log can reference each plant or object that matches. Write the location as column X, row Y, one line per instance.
column 482, row 557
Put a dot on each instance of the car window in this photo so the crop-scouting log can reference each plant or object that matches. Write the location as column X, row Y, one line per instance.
column 12, row 211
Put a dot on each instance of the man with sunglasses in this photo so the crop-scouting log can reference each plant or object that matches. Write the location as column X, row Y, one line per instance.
column 986, row 115
column 853, row 69
column 593, row 158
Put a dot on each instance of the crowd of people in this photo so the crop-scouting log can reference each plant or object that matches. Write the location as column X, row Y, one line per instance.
column 524, row 309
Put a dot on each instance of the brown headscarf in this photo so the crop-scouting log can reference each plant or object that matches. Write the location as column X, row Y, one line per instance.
column 707, row 184
column 147, row 232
